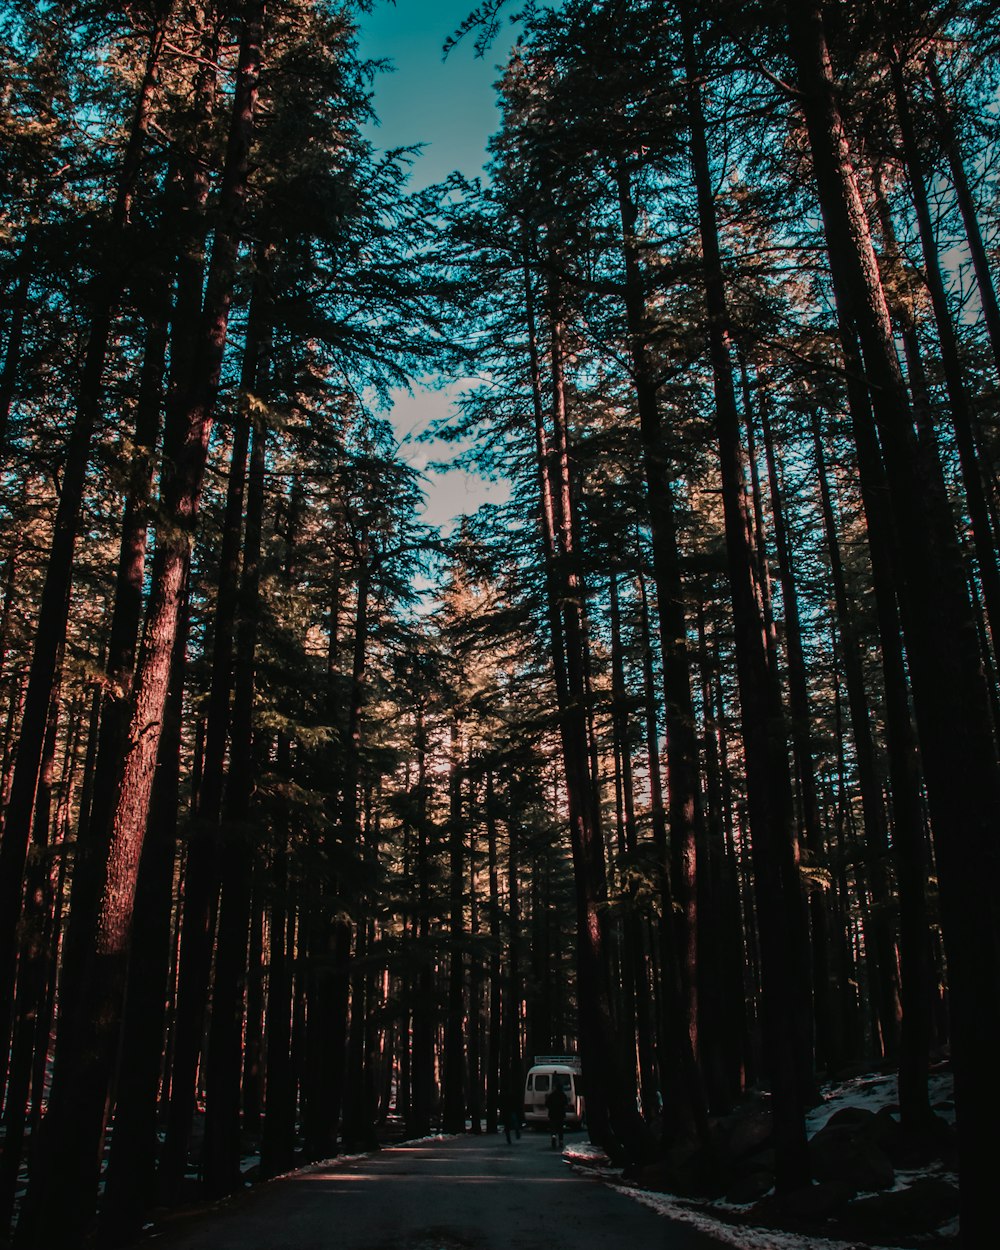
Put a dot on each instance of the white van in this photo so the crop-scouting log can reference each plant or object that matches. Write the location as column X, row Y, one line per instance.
column 546, row 1071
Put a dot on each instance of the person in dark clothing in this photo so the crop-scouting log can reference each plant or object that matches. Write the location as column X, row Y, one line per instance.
column 556, row 1104
column 512, row 1119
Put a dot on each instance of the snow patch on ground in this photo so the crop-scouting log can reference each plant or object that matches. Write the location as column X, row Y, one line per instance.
column 585, row 1152
column 874, row 1092
column 871, row 1092
column 320, row 1165
column 744, row 1237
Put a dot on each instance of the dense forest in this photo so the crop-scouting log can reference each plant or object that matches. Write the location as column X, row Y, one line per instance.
column 316, row 820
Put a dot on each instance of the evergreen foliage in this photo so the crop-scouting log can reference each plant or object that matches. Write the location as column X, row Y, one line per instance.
column 319, row 823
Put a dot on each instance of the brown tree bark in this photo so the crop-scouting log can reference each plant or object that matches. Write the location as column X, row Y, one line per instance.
column 951, row 703
column 613, row 1118
column 50, row 631
column 57, row 1211
column 358, row 1104
column 494, row 1086
column 904, row 771
column 252, row 1088
column 636, row 1014
column 277, row 1151
column 511, row 1062
column 453, row 1109
column 686, row 821
column 31, row 974
column 813, row 839
column 423, row 1008
column 224, row 1065
column 780, row 916
column 475, row 966
column 723, row 1049
column 93, row 825
column 130, row 1184
column 612, row 1114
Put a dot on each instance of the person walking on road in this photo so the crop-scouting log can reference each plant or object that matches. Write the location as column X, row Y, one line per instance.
column 556, row 1103
column 512, row 1118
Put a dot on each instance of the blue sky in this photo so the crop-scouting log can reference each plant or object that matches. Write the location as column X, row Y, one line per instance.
column 448, row 105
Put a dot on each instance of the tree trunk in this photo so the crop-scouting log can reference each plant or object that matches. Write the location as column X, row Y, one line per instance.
column 973, row 233
column 679, row 878
column 225, row 1044
column 953, row 715
column 783, row 941
column 453, row 1111
column 909, row 834
column 359, row 1113
column 53, row 612
column 614, row 1120
column 253, row 1051
column 722, row 1051
column 512, row 1066
column 962, row 415
column 494, row 1088
column 31, row 974
column 93, row 826
column 130, row 1189
column 423, row 1009
column 636, row 1013
column 277, row 1150
column 612, row 1114
column 17, row 311
column 803, row 750
column 57, row 1211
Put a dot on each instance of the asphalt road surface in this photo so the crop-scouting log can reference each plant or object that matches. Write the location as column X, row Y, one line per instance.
column 463, row 1193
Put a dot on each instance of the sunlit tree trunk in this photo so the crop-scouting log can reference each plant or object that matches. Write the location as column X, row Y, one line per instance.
column 50, row 631
column 130, row 1188
column 56, row 1212
column 93, row 826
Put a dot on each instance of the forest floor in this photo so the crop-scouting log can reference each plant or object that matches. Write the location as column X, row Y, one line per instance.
column 872, row 1194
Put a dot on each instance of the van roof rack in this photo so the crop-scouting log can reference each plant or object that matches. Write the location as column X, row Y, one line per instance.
column 570, row 1061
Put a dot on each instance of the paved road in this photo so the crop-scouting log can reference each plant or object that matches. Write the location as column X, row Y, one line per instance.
column 464, row 1193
